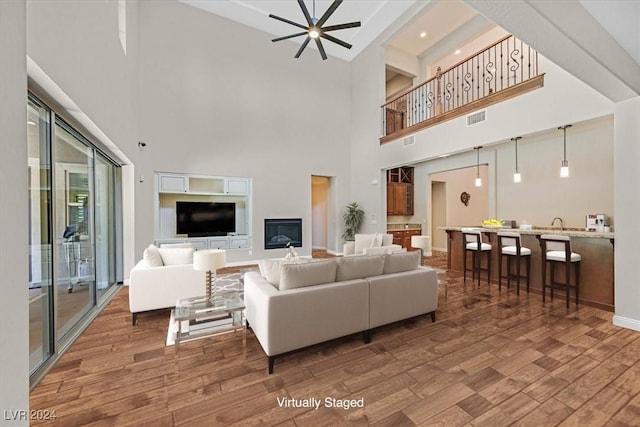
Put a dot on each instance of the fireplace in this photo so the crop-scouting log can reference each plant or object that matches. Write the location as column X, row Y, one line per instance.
column 279, row 232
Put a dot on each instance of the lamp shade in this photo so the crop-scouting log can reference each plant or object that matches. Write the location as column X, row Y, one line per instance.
column 209, row 260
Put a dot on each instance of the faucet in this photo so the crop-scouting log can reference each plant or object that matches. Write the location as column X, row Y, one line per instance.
column 561, row 222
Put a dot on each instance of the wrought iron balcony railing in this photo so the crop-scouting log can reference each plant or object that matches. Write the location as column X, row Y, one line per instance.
column 507, row 64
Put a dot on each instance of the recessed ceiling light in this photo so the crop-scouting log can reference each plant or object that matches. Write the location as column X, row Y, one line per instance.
column 31, row 123
column 423, row 34
column 457, row 52
column 444, row 156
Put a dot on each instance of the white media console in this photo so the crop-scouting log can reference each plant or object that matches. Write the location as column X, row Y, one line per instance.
column 175, row 187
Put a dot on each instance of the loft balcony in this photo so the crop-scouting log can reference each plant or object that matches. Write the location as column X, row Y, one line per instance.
column 501, row 71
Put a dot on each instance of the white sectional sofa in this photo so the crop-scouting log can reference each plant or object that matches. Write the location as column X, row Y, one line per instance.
column 163, row 276
column 292, row 306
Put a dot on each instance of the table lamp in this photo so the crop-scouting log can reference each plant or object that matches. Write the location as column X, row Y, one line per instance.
column 424, row 244
column 209, row 260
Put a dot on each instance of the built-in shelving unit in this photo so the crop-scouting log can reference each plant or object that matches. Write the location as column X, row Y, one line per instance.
column 175, row 187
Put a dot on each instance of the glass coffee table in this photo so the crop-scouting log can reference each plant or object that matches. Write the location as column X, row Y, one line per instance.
column 198, row 318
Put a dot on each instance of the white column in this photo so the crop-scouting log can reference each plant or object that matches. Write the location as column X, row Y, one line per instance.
column 14, row 216
column 627, row 212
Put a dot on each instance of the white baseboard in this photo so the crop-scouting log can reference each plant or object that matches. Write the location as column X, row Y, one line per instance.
column 626, row 322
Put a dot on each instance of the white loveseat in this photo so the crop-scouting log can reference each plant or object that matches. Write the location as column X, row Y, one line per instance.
column 157, row 283
column 298, row 305
column 370, row 244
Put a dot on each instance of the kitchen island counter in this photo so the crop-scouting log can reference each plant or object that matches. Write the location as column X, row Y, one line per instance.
column 595, row 248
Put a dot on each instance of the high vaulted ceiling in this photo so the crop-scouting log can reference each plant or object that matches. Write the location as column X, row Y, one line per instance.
column 375, row 16
column 578, row 35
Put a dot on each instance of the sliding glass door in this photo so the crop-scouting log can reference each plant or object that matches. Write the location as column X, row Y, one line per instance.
column 74, row 233
column 73, row 228
column 40, row 236
column 105, row 224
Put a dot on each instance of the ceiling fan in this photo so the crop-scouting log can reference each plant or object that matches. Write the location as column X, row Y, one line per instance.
column 314, row 28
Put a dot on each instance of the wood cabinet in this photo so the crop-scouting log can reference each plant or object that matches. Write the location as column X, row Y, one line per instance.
column 400, row 191
column 403, row 237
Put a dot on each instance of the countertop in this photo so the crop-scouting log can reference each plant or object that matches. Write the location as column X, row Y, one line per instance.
column 399, row 226
column 571, row 232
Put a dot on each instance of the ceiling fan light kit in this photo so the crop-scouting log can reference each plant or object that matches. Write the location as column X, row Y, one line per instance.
column 314, row 28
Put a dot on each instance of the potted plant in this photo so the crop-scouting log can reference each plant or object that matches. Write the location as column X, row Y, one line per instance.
column 352, row 219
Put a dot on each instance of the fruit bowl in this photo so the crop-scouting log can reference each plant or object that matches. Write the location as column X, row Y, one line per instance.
column 493, row 223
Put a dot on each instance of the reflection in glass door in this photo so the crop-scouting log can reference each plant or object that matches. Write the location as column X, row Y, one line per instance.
column 73, row 228
column 40, row 239
column 105, row 225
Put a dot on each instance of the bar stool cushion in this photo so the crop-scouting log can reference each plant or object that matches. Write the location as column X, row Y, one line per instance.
column 474, row 246
column 512, row 250
column 560, row 256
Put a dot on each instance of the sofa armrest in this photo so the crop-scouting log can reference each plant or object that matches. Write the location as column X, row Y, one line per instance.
column 348, row 248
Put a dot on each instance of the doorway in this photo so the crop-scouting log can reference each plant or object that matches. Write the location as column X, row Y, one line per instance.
column 438, row 215
column 322, row 212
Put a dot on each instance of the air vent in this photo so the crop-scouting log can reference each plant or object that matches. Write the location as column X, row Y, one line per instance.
column 410, row 140
column 475, row 118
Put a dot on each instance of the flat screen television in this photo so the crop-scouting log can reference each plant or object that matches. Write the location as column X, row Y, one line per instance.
column 200, row 219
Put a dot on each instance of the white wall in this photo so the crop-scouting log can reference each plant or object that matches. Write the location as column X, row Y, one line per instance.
column 627, row 205
column 14, row 212
column 542, row 194
column 219, row 98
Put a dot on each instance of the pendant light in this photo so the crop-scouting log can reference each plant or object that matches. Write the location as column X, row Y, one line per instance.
column 516, row 176
column 478, row 179
column 564, row 170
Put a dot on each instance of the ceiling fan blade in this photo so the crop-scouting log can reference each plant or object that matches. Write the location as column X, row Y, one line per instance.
column 289, row 36
column 288, row 22
column 335, row 40
column 321, row 49
column 306, row 12
column 341, row 26
column 329, row 12
column 304, row 44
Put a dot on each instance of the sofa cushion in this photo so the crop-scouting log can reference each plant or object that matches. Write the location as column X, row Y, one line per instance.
column 300, row 275
column 359, row 267
column 376, row 242
column 401, row 261
column 270, row 270
column 176, row 256
column 151, row 257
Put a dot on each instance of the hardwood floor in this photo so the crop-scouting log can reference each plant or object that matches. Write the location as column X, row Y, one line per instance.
column 490, row 359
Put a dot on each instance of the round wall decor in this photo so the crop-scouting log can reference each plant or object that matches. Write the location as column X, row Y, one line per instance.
column 465, row 197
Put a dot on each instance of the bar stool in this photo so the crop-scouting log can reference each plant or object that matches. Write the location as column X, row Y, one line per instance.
column 509, row 244
column 557, row 250
column 472, row 239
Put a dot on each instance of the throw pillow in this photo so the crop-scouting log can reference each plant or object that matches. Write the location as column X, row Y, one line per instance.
column 270, row 270
column 387, row 239
column 359, row 267
column 307, row 274
column 151, row 256
column 401, row 261
column 362, row 241
column 176, row 245
column 176, row 256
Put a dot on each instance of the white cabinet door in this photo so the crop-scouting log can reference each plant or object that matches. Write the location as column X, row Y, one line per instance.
column 239, row 242
column 218, row 242
column 173, row 184
column 237, row 186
